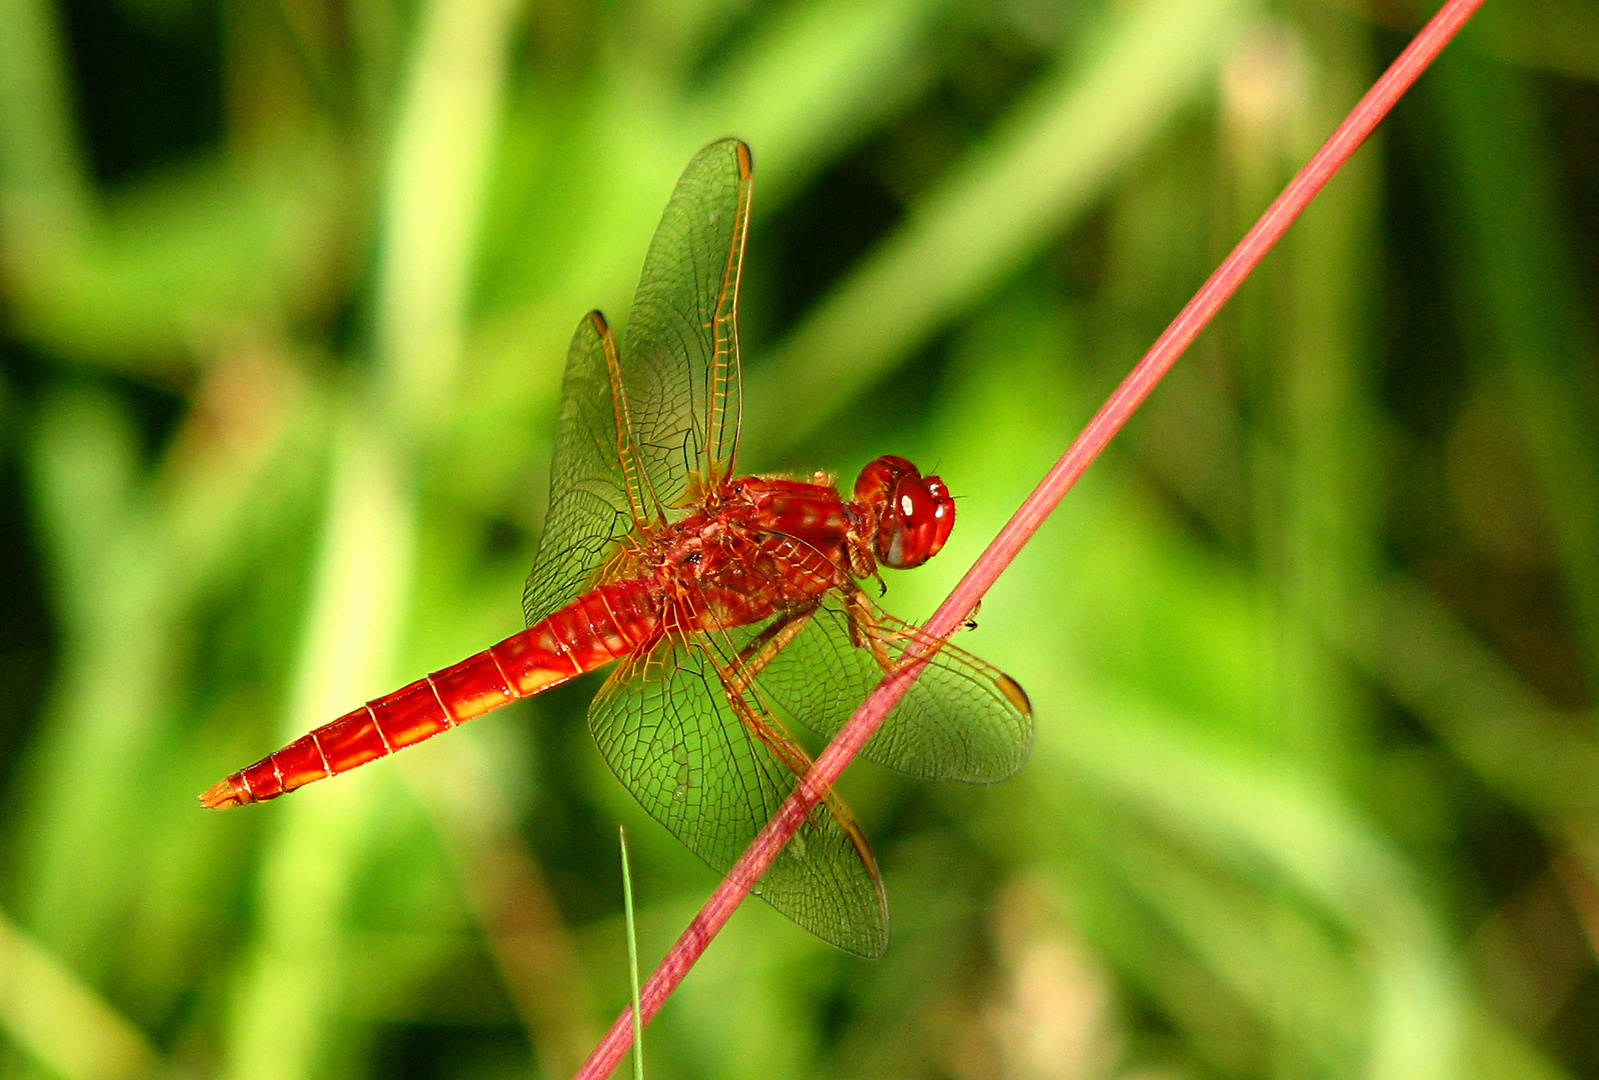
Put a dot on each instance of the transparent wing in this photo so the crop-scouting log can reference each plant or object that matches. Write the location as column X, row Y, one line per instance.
column 595, row 476
column 664, row 724
column 680, row 358
column 963, row 719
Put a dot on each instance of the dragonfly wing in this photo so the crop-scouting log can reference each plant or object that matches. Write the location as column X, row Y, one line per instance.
column 680, row 358
column 963, row 719
column 595, row 476
column 664, row 724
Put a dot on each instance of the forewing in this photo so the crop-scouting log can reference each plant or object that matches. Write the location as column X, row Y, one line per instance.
column 664, row 725
column 963, row 719
column 680, row 359
column 595, row 476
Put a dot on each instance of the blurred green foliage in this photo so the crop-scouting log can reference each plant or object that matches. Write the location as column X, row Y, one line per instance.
column 287, row 286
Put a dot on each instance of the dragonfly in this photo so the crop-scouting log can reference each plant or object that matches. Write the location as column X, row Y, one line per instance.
column 731, row 606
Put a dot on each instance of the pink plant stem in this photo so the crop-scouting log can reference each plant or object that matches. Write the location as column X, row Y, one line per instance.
column 1027, row 519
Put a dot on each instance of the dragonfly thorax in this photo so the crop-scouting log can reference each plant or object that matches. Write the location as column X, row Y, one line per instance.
column 776, row 544
column 754, row 546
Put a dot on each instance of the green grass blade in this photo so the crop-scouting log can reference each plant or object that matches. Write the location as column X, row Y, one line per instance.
column 632, row 957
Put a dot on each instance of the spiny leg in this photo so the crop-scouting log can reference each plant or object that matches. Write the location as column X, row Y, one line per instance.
column 867, row 633
column 753, row 658
column 739, row 677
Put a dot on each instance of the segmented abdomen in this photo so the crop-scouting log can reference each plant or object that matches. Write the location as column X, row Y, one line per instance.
column 593, row 630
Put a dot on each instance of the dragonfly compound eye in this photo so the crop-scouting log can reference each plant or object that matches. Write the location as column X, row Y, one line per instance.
column 915, row 522
column 913, row 513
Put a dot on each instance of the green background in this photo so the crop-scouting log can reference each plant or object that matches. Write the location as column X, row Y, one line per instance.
column 286, row 287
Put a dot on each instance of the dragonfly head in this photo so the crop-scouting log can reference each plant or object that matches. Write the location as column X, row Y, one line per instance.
column 907, row 515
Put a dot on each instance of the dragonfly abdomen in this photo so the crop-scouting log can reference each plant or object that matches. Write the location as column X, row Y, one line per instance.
column 598, row 627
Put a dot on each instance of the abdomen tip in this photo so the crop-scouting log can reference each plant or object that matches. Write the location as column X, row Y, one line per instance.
column 223, row 794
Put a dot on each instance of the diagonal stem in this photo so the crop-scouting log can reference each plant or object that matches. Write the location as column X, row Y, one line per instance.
column 1171, row 344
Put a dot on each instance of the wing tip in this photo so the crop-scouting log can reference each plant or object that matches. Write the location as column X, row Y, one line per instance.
column 741, row 152
column 872, row 944
column 1014, row 694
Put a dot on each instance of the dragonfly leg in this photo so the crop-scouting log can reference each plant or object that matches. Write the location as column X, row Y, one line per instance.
column 867, row 633
column 739, row 676
column 753, row 658
column 737, row 680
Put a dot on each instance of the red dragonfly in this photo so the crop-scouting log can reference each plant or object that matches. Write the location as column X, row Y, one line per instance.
column 729, row 604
